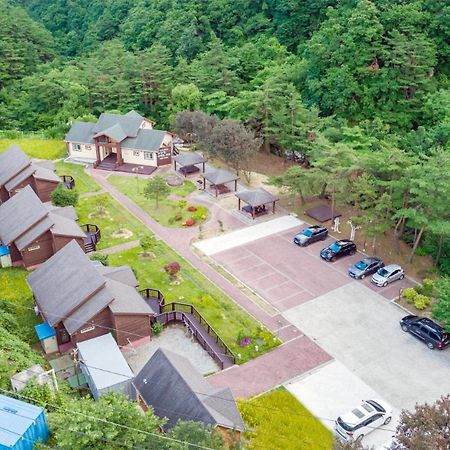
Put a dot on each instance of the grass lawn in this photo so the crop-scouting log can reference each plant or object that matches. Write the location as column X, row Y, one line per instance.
column 168, row 212
column 277, row 420
column 83, row 182
column 18, row 300
column 37, row 148
column 229, row 320
column 116, row 224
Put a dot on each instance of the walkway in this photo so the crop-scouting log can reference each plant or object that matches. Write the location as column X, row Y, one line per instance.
column 180, row 242
column 119, row 248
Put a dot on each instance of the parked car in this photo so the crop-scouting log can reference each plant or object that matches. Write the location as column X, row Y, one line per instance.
column 427, row 330
column 338, row 249
column 311, row 234
column 388, row 274
column 360, row 421
column 366, row 266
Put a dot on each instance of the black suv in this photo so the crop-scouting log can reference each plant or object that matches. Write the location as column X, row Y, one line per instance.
column 430, row 332
column 338, row 249
column 311, row 234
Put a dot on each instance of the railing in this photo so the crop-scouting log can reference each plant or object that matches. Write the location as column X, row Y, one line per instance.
column 68, row 181
column 92, row 231
column 176, row 311
column 154, row 293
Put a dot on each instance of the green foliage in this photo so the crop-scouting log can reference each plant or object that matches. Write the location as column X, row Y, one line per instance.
column 277, row 410
column 147, row 243
column 34, row 147
column 421, row 302
column 441, row 310
column 156, row 189
column 62, row 196
column 104, row 259
column 157, row 328
column 410, row 295
column 83, row 182
column 194, row 432
column 426, row 288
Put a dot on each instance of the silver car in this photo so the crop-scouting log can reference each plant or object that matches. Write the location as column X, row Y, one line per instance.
column 388, row 274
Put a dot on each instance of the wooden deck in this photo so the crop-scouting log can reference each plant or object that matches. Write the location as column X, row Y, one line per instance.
column 194, row 322
column 109, row 163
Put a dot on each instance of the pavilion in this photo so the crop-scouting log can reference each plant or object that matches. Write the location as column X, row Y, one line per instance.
column 218, row 180
column 188, row 162
column 256, row 201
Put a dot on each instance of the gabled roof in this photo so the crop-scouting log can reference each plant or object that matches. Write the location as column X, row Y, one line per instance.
column 63, row 226
column 66, row 211
column 176, row 390
column 81, row 132
column 43, row 173
column 150, row 140
column 123, row 274
column 257, row 197
column 220, row 176
column 115, row 132
column 64, row 282
column 129, row 123
column 19, row 214
column 21, row 176
column 12, row 161
column 127, row 300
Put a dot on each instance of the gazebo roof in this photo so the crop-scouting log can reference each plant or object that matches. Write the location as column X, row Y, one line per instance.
column 189, row 159
column 220, row 176
column 257, row 197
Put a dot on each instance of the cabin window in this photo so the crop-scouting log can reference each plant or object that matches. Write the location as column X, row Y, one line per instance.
column 136, row 153
column 88, row 147
column 76, row 147
column 148, row 155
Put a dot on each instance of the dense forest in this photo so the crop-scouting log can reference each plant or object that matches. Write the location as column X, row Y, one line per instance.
column 316, row 77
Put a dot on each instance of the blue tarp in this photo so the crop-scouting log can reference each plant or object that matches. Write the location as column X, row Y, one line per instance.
column 4, row 250
column 44, row 331
column 21, row 424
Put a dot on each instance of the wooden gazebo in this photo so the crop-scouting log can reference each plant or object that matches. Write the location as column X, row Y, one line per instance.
column 218, row 180
column 256, row 201
column 188, row 162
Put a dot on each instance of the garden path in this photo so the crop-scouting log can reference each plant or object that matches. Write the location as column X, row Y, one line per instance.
column 119, row 248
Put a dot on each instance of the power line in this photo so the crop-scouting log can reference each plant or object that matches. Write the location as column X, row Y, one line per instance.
column 149, row 433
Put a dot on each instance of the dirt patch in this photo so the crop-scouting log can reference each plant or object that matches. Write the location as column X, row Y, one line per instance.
column 97, row 213
column 269, row 164
column 122, row 233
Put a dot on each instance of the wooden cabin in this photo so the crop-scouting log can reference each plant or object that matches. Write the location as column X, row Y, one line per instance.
column 81, row 299
column 125, row 142
column 18, row 171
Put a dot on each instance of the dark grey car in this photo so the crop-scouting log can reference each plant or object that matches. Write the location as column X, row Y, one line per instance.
column 366, row 266
column 311, row 234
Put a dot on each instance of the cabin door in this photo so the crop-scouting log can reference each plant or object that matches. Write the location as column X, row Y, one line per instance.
column 64, row 336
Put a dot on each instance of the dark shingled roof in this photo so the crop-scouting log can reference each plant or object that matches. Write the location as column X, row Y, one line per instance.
column 257, row 197
column 43, row 173
column 129, row 123
column 12, row 161
column 64, row 282
column 220, row 176
column 45, row 163
column 150, row 140
column 124, row 274
column 19, row 214
column 66, row 211
column 176, row 390
column 321, row 213
column 127, row 300
column 63, row 226
column 189, row 159
column 21, row 176
column 81, row 132
column 33, row 233
column 115, row 132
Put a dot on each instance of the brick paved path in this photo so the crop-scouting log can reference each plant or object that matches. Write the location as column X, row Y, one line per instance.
column 297, row 355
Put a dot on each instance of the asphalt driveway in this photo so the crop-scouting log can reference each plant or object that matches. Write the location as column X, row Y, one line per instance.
column 360, row 329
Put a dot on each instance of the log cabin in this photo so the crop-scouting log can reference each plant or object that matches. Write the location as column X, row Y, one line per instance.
column 31, row 231
column 18, row 171
column 81, row 299
column 123, row 142
column 174, row 388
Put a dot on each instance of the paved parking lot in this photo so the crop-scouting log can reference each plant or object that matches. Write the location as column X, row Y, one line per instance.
column 361, row 330
column 286, row 275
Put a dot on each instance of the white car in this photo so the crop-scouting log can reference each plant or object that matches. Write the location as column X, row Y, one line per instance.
column 360, row 421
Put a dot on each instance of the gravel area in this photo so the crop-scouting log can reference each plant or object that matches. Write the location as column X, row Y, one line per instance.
column 176, row 339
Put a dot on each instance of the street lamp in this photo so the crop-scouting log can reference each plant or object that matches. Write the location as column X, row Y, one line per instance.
column 136, row 171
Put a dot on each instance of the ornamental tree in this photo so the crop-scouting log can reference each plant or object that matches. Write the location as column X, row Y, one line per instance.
column 156, row 189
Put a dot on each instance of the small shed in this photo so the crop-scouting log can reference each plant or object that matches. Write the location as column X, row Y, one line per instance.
column 36, row 372
column 219, row 179
column 21, row 424
column 47, row 336
column 188, row 162
column 256, row 201
column 104, row 366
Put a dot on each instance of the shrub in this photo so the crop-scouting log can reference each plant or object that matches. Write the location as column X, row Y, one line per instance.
column 192, row 209
column 410, row 294
column 199, row 215
column 172, row 268
column 427, row 287
column 64, row 197
column 182, row 204
column 99, row 257
column 148, row 244
column 421, row 302
column 157, row 327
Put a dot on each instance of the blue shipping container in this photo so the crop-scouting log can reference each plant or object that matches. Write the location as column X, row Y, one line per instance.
column 21, row 424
